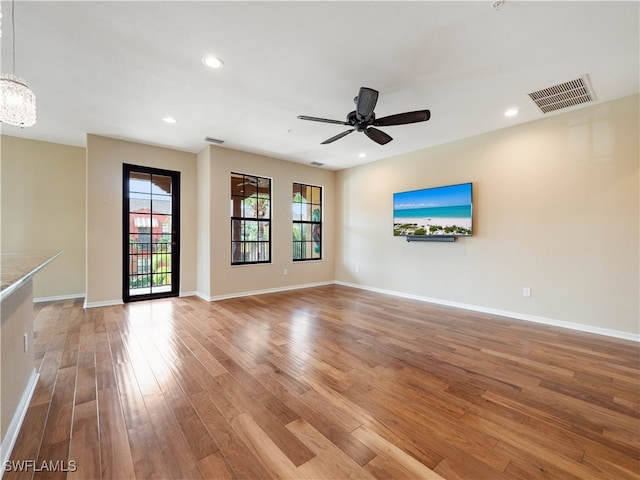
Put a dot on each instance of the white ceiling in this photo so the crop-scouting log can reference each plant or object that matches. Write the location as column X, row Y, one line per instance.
column 117, row 68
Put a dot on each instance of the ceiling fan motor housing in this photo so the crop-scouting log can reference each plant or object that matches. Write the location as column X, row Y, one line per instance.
column 352, row 119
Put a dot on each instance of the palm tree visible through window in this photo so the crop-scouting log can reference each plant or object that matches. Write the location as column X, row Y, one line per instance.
column 307, row 222
column 250, row 219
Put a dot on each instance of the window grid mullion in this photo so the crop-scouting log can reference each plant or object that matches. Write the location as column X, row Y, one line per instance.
column 306, row 197
column 250, row 251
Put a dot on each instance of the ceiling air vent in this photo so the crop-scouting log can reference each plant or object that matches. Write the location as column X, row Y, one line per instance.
column 563, row 95
column 213, row 140
column 316, row 164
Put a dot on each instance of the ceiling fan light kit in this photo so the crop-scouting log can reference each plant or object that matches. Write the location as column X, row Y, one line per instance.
column 363, row 119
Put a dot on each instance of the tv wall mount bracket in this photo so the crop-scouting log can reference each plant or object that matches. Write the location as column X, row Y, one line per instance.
column 431, row 238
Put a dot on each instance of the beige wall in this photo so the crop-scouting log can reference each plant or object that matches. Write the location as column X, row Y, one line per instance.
column 204, row 224
column 226, row 279
column 556, row 209
column 43, row 208
column 105, row 157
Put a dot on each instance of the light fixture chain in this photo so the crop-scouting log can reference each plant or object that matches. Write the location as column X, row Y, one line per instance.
column 13, row 31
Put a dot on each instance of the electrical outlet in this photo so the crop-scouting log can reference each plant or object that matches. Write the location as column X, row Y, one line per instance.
column 526, row 292
column 357, row 269
column 285, row 272
column 26, row 342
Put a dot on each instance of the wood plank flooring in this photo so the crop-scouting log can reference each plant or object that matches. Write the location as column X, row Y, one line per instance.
column 324, row 383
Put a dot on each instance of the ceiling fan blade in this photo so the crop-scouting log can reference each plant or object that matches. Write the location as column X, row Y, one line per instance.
column 377, row 136
column 403, row 118
column 337, row 137
column 365, row 103
column 325, row 120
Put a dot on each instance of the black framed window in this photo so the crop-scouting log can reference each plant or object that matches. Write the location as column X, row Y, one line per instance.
column 307, row 222
column 250, row 219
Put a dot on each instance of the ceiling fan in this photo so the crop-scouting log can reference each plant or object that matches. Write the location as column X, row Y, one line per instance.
column 363, row 119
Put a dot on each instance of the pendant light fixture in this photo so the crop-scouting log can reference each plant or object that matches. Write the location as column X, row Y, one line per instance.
column 17, row 101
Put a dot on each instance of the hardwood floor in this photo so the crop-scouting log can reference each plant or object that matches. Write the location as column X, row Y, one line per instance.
column 324, row 383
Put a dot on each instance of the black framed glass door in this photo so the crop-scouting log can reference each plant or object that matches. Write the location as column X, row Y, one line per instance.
column 150, row 227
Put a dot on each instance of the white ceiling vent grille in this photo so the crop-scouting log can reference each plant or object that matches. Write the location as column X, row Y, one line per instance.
column 563, row 95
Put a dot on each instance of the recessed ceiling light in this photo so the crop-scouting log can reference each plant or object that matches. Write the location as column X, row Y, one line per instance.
column 512, row 112
column 362, row 155
column 213, row 62
column 169, row 119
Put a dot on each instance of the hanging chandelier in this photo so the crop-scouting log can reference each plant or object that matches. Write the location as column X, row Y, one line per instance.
column 17, row 100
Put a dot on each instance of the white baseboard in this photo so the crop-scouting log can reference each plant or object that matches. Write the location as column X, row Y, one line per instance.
column 503, row 313
column 267, row 290
column 106, row 303
column 208, row 298
column 55, row 298
column 204, row 296
column 11, row 436
column 476, row 308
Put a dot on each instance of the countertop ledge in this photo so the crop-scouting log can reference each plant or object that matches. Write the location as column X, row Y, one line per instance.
column 18, row 267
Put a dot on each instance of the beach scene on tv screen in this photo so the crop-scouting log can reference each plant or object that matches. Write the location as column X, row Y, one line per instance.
column 433, row 211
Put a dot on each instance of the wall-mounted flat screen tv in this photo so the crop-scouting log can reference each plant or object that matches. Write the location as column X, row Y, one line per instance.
column 434, row 211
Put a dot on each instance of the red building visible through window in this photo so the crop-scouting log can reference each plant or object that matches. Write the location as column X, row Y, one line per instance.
column 146, row 228
column 148, row 234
